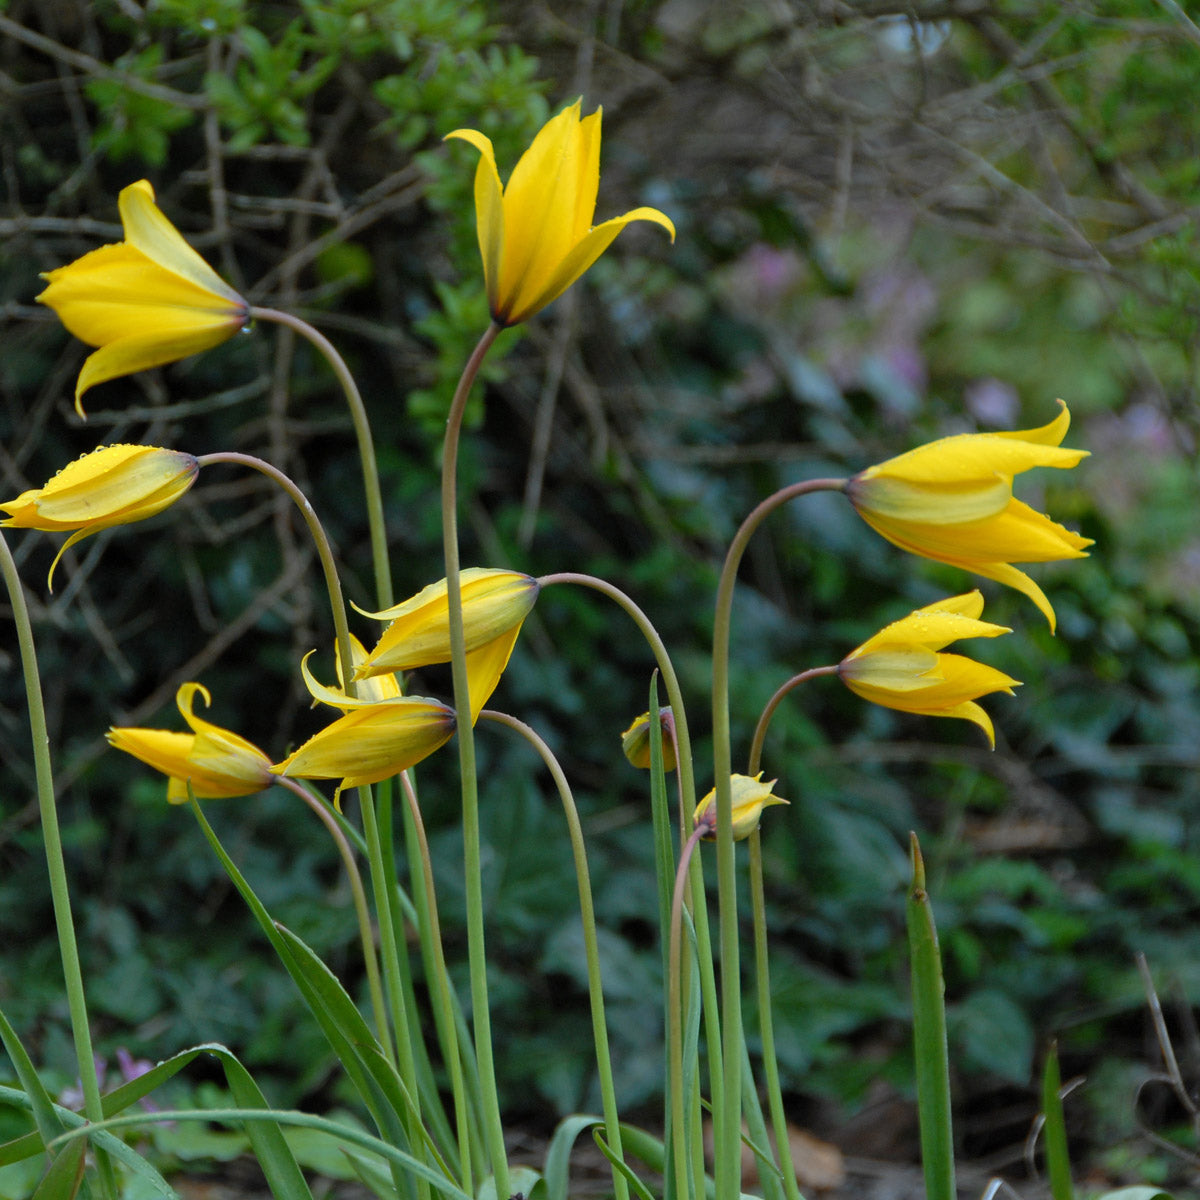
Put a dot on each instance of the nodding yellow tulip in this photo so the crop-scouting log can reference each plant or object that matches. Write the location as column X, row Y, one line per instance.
column 114, row 485
column 749, row 796
column 901, row 667
column 372, row 742
column 216, row 762
column 146, row 301
column 536, row 234
column 952, row 501
column 495, row 604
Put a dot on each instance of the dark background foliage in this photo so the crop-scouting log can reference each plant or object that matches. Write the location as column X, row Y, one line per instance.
column 895, row 222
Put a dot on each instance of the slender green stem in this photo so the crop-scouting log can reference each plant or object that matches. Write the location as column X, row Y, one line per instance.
column 727, row 1119
column 766, row 1025
column 60, row 893
column 472, row 866
column 675, row 1007
column 683, row 741
column 366, row 931
column 760, row 730
column 429, row 926
column 366, row 445
column 324, row 550
column 587, row 911
column 389, row 943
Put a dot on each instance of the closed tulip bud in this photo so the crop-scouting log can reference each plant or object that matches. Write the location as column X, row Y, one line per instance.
column 216, row 762
column 372, row 742
column 114, row 485
column 749, row 796
column 635, row 741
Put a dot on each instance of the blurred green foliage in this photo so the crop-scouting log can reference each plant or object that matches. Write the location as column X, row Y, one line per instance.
column 847, row 283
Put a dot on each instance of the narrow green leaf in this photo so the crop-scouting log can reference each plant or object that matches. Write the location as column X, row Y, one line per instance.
column 270, row 1147
column 634, row 1182
column 556, row 1169
column 40, row 1102
column 929, row 1038
column 1054, row 1129
column 62, row 1180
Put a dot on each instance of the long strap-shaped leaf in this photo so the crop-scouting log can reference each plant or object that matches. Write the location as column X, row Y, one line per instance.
column 40, row 1102
column 278, row 1164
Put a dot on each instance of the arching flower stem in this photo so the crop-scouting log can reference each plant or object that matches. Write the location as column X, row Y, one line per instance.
column 760, row 730
column 55, row 864
column 727, row 1124
column 366, row 444
column 472, row 867
column 324, row 550
column 608, row 1092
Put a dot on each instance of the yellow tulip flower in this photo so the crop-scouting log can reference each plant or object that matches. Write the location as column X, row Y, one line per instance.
column 146, row 301
column 114, row 485
column 536, row 235
column 215, row 761
column 495, row 604
column 372, row 742
column 901, row 667
column 749, row 797
column 952, row 501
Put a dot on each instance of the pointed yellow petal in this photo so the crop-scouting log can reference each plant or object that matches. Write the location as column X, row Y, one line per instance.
column 485, row 666
column 580, row 258
column 147, row 230
column 540, row 207
column 489, row 214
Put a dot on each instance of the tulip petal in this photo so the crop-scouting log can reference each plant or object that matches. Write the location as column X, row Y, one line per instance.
column 485, row 666
column 582, row 256
column 540, row 207
column 148, row 230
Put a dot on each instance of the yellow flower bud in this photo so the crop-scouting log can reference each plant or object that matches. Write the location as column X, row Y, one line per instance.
column 749, row 796
column 372, row 742
column 114, row 485
column 215, row 761
column 635, row 741
column 495, row 604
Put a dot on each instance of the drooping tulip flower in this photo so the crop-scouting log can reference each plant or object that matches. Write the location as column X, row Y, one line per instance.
column 902, row 666
column 215, row 761
column 144, row 302
column 952, row 501
column 114, row 485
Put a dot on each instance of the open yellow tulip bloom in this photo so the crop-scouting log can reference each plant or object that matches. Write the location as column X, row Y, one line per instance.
column 216, row 762
column 952, row 501
column 536, row 235
column 146, row 301
column 901, row 667
column 749, row 796
column 114, row 485
column 495, row 604
column 372, row 742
